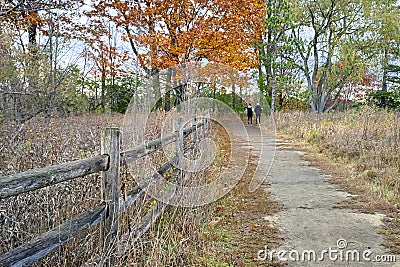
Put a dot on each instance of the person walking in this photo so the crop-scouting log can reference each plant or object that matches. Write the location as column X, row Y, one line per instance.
column 258, row 110
column 249, row 114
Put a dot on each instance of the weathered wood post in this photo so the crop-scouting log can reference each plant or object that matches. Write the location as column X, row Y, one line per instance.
column 195, row 133
column 110, row 188
column 180, row 146
column 206, row 122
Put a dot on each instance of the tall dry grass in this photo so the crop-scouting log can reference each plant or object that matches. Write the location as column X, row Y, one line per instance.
column 39, row 143
column 366, row 141
column 174, row 240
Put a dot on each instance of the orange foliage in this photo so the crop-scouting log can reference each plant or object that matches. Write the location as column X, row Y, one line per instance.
column 108, row 60
column 170, row 32
column 41, row 14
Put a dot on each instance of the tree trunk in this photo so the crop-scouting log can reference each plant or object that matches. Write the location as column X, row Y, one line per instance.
column 156, row 89
column 167, row 99
column 32, row 33
column 385, row 70
column 103, row 91
column 273, row 79
column 233, row 96
column 272, row 95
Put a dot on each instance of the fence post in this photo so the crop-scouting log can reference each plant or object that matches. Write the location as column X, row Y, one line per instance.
column 204, row 127
column 195, row 133
column 110, row 181
column 206, row 121
column 180, row 145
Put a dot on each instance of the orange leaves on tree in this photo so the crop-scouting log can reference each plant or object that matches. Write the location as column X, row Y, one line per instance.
column 41, row 14
column 171, row 32
column 215, row 74
column 108, row 59
column 33, row 18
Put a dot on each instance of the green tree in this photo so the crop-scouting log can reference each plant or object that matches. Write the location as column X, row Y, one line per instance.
column 328, row 52
column 385, row 37
column 275, row 52
column 120, row 93
column 72, row 98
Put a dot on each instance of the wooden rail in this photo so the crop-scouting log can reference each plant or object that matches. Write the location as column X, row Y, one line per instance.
column 107, row 213
column 19, row 183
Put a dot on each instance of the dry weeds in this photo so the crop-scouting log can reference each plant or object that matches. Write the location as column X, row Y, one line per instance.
column 39, row 144
column 174, row 240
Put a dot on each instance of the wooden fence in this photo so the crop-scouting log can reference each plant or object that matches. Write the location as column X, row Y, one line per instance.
column 108, row 163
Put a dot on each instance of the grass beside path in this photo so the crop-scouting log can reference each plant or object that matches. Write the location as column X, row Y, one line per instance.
column 237, row 229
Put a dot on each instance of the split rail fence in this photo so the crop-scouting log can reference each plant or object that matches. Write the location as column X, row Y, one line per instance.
column 107, row 213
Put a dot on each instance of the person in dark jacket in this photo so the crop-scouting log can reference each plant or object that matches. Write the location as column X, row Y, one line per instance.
column 258, row 110
column 249, row 114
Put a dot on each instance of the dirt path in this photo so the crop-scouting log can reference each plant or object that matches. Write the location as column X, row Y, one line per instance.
column 310, row 223
column 313, row 231
column 237, row 228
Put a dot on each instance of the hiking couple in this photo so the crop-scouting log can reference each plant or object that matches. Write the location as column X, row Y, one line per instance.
column 250, row 112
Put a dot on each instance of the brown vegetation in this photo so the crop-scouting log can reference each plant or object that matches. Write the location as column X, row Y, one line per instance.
column 174, row 240
column 39, row 144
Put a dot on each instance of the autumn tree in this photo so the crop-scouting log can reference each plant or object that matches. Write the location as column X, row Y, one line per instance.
column 40, row 31
column 107, row 68
column 168, row 33
column 162, row 34
column 218, row 77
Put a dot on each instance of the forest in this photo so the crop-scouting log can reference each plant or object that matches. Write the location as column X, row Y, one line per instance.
column 81, row 56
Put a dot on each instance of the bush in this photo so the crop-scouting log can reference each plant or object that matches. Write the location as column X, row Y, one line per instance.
column 384, row 99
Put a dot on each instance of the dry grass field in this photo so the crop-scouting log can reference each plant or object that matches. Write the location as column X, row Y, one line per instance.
column 359, row 149
column 174, row 240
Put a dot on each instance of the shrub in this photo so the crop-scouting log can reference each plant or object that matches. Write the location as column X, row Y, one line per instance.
column 384, row 99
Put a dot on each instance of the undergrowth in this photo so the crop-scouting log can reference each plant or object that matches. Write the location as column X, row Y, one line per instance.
column 173, row 240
